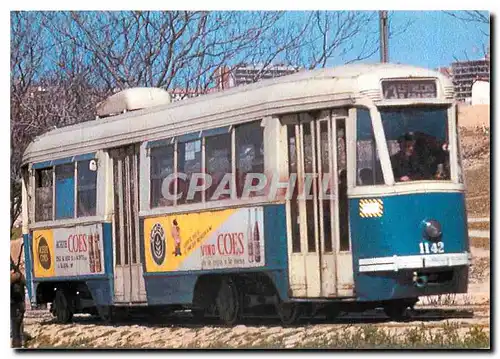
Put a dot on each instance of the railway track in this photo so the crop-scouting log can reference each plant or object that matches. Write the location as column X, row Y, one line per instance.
column 419, row 314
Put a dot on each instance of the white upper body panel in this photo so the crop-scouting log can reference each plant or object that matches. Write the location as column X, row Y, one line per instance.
column 302, row 91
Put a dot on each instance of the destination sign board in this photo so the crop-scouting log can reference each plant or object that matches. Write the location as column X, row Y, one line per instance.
column 408, row 89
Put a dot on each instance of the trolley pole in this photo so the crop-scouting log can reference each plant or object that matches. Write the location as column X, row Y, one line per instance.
column 384, row 36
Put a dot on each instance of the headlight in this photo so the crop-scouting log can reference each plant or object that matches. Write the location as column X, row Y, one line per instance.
column 432, row 229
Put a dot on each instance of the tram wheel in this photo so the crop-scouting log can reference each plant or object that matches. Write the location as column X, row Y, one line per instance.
column 227, row 303
column 288, row 313
column 62, row 310
column 105, row 313
column 397, row 310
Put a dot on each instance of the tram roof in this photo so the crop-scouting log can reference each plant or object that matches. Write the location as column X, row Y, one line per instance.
column 314, row 88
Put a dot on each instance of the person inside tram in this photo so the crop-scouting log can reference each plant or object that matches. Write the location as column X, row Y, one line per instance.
column 406, row 164
column 366, row 176
column 434, row 155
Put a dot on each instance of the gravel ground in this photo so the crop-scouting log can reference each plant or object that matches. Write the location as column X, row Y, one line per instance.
column 88, row 333
column 465, row 316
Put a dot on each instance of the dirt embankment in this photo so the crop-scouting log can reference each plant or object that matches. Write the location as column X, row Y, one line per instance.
column 475, row 144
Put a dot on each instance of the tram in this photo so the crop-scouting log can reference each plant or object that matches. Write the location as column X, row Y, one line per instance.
column 323, row 191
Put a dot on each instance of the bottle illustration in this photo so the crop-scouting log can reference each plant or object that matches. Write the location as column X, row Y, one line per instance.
column 256, row 239
column 176, row 234
column 91, row 253
column 249, row 236
column 97, row 255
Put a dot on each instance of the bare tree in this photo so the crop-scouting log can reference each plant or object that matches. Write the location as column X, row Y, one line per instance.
column 320, row 37
column 161, row 49
column 26, row 58
column 63, row 63
column 49, row 88
column 187, row 49
column 470, row 16
column 479, row 18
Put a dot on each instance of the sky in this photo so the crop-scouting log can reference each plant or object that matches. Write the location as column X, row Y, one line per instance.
column 435, row 39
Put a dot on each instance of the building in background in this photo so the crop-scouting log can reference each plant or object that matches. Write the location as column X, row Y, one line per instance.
column 465, row 73
column 245, row 74
column 239, row 75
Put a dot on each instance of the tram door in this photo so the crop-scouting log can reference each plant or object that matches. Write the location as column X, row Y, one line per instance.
column 320, row 260
column 128, row 277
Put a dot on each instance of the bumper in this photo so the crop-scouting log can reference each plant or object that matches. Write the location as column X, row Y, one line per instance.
column 396, row 263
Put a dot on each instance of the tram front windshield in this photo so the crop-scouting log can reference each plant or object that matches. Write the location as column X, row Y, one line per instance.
column 417, row 139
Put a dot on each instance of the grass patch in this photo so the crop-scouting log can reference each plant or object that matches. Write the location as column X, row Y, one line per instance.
column 440, row 300
column 371, row 337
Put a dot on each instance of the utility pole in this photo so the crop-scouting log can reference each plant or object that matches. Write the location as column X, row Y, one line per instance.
column 384, row 36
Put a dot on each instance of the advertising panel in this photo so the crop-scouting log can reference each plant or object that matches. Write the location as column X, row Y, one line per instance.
column 63, row 252
column 231, row 238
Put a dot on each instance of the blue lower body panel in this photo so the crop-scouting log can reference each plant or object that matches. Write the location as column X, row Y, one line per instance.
column 99, row 287
column 395, row 234
column 389, row 285
column 170, row 289
column 166, row 289
column 101, row 291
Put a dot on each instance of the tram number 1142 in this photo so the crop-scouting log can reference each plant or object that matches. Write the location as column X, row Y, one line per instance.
column 425, row 248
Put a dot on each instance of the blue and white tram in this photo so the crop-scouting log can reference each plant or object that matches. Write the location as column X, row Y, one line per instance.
column 326, row 190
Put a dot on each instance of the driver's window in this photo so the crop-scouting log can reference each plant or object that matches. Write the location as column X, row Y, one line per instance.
column 417, row 140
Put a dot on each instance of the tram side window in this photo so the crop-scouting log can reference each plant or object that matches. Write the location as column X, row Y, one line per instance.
column 218, row 163
column 86, row 189
column 189, row 163
column 65, row 191
column 162, row 165
column 249, row 154
column 368, row 168
column 43, row 194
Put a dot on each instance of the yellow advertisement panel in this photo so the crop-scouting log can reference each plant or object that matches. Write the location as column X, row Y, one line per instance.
column 231, row 238
column 43, row 253
column 65, row 252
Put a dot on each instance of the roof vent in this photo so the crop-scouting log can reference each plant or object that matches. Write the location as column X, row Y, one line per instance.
column 132, row 99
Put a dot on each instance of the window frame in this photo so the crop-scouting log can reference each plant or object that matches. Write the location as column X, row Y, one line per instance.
column 207, row 144
column 202, row 136
column 390, row 186
column 449, row 132
column 77, row 189
column 162, row 147
column 375, row 151
column 35, row 197
column 52, row 165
